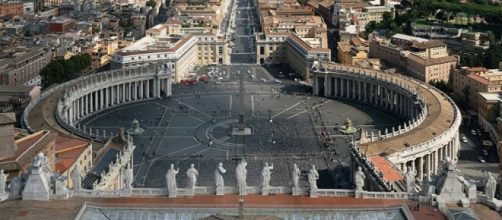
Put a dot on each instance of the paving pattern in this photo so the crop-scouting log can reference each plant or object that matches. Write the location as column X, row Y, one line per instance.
column 194, row 126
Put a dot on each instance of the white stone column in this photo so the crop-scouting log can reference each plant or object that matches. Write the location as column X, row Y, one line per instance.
column 428, row 166
column 435, row 162
column 147, row 89
column 101, row 96
column 123, row 93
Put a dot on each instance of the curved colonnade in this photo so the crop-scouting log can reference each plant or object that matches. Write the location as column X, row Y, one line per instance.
column 432, row 120
column 94, row 93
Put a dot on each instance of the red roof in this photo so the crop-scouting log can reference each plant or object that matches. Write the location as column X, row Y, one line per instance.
column 384, row 166
column 68, row 150
column 24, row 144
column 64, row 143
column 478, row 78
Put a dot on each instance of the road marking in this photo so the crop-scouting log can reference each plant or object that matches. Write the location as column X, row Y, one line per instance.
column 252, row 105
column 186, row 148
column 230, row 106
column 287, row 109
column 292, row 116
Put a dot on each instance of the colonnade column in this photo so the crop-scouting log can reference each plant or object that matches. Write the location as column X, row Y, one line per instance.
column 141, row 89
column 147, row 89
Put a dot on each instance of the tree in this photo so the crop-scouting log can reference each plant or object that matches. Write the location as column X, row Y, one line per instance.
column 60, row 70
column 467, row 92
column 151, row 3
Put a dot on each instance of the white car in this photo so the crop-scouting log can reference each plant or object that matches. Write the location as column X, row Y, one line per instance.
column 473, row 132
column 485, row 152
column 464, row 139
column 481, row 160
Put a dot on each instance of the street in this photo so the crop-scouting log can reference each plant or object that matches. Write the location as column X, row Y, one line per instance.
column 469, row 156
column 243, row 39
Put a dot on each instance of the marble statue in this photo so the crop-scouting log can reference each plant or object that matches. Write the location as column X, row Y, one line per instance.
column 40, row 161
column 171, row 181
column 265, row 173
column 296, row 176
column 240, row 174
column 76, row 178
column 313, row 176
column 359, row 179
column 59, row 185
column 128, row 177
column 3, row 181
column 218, row 175
column 15, row 186
column 410, row 180
column 192, row 174
column 490, row 186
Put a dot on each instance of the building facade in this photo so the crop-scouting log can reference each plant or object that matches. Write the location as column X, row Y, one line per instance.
column 24, row 67
column 179, row 53
column 11, row 8
column 420, row 58
column 469, row 82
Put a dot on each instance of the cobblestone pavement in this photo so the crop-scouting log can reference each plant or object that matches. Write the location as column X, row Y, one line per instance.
column 194, row 126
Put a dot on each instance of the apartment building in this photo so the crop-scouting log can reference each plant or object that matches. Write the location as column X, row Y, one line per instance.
column 469, row 82
column 426, row 60
column 297, row 38
column 352, row 51
column 11, row 8
column 23, row 67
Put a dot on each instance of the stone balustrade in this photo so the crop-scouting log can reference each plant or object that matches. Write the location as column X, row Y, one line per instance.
column 205, row 190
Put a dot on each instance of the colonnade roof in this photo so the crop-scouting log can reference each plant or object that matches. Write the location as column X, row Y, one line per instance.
column 440, row 117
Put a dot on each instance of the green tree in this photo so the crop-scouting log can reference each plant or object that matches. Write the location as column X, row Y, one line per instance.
column 151, row 3
column 60, row 70
column 467, row 92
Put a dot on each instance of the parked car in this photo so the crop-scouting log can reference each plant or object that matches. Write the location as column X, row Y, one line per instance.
column 478, row 131
column 464, row 139
column 481, row 160
column 473, row 132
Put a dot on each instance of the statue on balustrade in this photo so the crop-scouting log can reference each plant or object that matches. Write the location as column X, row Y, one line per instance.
column 171, row 181
column 410, row 180
column 313, row 176
column 76, row 178
column 3, row 181
column 40, row 161
column 15, row 186
column 240, row 175
column 359, row 178
column 192, row 174
column 490, row 186
column 296, row 176
column 218, row 175
column 266, row 173
column 128, row 177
